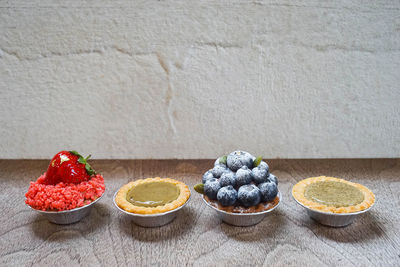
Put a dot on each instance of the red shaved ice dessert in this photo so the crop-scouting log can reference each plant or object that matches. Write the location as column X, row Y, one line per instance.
column 69, row 183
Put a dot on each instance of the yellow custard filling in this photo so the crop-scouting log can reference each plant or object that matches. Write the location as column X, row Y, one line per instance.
column 152, row 194
column 335, row 194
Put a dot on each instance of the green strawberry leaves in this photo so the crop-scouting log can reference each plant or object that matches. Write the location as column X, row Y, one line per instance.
column 75, row 153
column 83, row 160
column 89, row 169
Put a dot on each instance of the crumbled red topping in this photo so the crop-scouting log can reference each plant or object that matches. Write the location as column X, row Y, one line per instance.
column 63, row 196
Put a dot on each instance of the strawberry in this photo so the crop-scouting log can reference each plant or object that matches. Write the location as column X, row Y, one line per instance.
column 68, row 167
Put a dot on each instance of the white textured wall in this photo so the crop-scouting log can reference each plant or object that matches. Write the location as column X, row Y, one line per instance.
column 195, row 79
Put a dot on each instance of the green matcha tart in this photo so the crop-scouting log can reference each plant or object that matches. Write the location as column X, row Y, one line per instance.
column 152, row 195
column 329, row 194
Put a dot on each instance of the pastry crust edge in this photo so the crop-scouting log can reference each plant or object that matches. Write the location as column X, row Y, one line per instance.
column 124, row 204
column 299, row 189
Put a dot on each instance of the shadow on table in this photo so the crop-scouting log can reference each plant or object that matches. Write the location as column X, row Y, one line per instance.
column 364, row 228
column 97, row 219
column 267, row 228
column 180, row 225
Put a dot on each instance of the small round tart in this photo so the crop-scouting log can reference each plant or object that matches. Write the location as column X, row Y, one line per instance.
column 152, row 195
column 329, row 194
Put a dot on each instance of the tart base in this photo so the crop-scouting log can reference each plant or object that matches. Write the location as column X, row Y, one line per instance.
column 299, row 190
column 124, row 204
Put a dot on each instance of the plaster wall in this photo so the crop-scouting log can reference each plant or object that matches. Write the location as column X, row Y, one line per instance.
column 197, row 79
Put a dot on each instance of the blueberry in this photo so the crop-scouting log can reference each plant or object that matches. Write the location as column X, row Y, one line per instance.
column 218, row 170
column 227, row 196
column 268, row 190
column 249, row 195
column 227, row 178
column 263, row 165
column 238, row 159
column 273, row 178
column 207, row 176
column 243, row 176
column 260, row 175
column 211, row 188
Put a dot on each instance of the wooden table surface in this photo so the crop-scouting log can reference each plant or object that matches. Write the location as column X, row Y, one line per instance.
column 197, row 237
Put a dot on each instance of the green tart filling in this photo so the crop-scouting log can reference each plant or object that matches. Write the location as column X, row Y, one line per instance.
column 334, row 194
column 152, row 194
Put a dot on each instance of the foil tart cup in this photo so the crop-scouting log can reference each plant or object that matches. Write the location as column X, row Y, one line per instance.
column 152, row 220
column 68, row 216
column 332, row 219
column 242, row 219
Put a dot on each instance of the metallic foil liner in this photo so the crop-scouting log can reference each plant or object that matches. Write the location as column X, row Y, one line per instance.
column 68, row 216
column 243, row 219
column 332, row 219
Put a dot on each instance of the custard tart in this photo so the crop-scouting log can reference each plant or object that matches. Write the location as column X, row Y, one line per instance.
column 152, row 195
column 329, row 194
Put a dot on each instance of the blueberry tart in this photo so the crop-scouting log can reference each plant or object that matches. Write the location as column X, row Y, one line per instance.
column 240, row 183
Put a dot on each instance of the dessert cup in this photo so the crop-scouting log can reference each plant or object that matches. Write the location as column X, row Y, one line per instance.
column 333, row 201
column 68, row 216
column 242, row 219
column 333, row 219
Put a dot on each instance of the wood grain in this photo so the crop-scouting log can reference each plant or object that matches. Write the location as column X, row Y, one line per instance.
column 285, row 238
